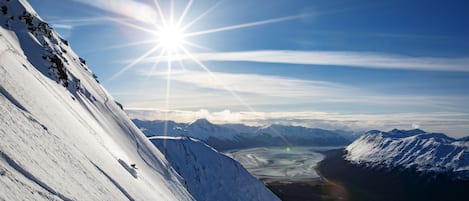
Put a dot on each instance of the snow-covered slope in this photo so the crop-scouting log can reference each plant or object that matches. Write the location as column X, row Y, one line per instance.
column 426, row 152
column 62, row 135
column 210, row 175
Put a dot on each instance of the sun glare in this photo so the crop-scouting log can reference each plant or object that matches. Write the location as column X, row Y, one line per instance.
column 170, row 37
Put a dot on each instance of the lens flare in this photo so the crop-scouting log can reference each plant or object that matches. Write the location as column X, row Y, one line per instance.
column 169, row 36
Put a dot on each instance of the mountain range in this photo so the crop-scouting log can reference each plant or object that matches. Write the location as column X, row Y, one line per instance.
column 400, row 165
column 236, row 136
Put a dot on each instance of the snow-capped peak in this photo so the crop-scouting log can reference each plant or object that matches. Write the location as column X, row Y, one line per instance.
column 203, row 122
column 203, row 129
column 426, row 152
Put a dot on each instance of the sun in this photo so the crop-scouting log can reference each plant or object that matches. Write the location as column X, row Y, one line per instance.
column 170, row 37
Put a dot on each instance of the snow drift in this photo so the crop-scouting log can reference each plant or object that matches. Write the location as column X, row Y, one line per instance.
column 426, row 152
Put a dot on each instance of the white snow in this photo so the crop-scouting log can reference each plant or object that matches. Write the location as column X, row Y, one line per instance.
column 427, row 152
column 210, row 175
column 65, row 143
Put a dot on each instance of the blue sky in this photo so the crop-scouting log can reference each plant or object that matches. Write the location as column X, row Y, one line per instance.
column 334, row 64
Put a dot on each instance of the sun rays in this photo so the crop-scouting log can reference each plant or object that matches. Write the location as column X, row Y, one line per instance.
column 170, row 34
column 171, row 39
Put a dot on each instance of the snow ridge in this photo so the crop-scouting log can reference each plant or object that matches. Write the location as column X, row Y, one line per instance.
column 210, row 175
column 417, row 149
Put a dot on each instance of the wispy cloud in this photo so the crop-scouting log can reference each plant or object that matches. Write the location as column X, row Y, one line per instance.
column 455, row 124
column 132, row 9
column 336, row 58
column 275, row 86
column 195, row 89
column 69, row 24
column 292, row 89
column 86, row 21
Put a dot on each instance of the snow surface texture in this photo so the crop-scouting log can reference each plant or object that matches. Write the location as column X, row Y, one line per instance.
column 62, row 135
column 426, row 152
column 210, row 175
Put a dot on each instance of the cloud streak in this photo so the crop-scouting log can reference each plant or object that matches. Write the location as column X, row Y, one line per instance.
column 132, row 9
column 73, row 23
column 197, row 89
column 275, row 86
column 336, row 58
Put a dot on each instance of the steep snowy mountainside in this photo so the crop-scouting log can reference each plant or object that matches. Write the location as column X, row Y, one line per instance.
column 210, row 175
column 62, row 135
column 426, row 152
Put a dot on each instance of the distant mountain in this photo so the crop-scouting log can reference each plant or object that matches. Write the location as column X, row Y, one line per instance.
column 203, row 129
column 200, row 129
column 241, row 128
column 217, row 136
column 210, row 175
column 233, row 136
column 412, row 149
column 299, row 135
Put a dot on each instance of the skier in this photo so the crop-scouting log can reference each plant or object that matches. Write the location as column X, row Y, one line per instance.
column 133, row 166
